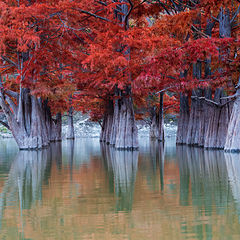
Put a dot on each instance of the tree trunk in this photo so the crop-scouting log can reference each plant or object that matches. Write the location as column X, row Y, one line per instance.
column 161, row 120
column 183, row 120
column 205, row 118
column 232, row 143
column 107, row 123
column 56, row 131
column 196, row 109
column 225, row 27
column 218, row 123
column 27, row 120
column 194, row 118
column 157, row 122
column 70, row 131
column 124, row 130
column 154, row 131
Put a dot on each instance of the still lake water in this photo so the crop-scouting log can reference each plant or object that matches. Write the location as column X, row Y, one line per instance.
column 85, row 190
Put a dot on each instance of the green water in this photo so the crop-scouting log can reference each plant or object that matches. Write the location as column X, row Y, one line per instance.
column 85, row 190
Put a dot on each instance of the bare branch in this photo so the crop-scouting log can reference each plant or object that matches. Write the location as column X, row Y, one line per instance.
column 129, row 12
column 216, row 19
column 12, row 105
column 207, row 100
column 163, row 90
column 229, row 97
column 164, row 7
column 5, row 124
column 203, row 34
column 11, row 93
column 235, row 15
column 211, row 101
column 9, row 60
column 93, row 15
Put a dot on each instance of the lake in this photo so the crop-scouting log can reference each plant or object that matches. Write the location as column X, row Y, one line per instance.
column 87, row 190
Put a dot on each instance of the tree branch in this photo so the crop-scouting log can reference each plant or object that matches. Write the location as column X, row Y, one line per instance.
column 129, row 12
column 163, row 5
column 9, row 60
column 11, row 93
column 235, row 15
column 211, row 101
column 5, row 124
column 12, row 105
column 93, row 15
column 229, row 97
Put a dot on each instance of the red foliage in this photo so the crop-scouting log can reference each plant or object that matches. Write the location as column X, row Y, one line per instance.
column 80, row 48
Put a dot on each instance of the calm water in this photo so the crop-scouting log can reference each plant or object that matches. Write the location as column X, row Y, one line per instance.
column 84, row 190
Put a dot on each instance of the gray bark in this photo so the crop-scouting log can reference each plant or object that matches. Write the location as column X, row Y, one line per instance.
column 70, row 131
column 232, row 143
column 196, row 109
column 124, row 130
column 161, row 120
column 183, row 120
column 157, row 122
column 27, row 120
column 154, row 131
column 56, row 128
column 224, row 23
column 205, row 117
column 195, row 119
column 218, row 123
column 107, row 126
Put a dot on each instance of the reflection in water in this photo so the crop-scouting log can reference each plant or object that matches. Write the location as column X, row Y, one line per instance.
column 204, row 174
column 207, row 172
column 70, row 155
column 86, row 191
column 24, row 182
column 157, row 159
column 233, row 169
column 123, row 164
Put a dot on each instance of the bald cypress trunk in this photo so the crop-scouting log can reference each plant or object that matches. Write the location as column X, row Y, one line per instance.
column 232, row 143
column 153, row 134
column 29, row 121
column 196, row 109
column 205, row 117
column 56, row 128
column 124, row 130
column 193, row 131
column 26, row 120
column 218, row 123
column 107, row 124
column 183, row 120
column 70, row 130
column 157, row 122
column 161, row 120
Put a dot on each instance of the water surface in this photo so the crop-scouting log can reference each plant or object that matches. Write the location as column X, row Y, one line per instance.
column 87, row 190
